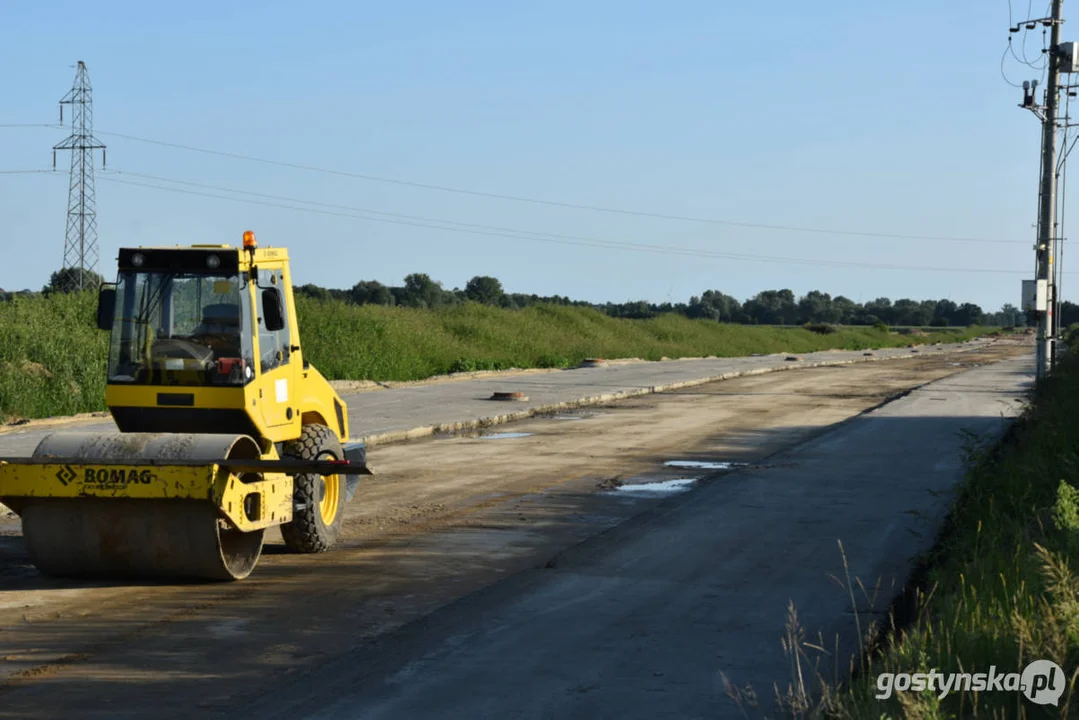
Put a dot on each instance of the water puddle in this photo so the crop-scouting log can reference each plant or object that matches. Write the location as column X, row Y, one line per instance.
column 571, row 415
column 478, row 435
column 665, row 487
column 228, row 628
column 702, row 465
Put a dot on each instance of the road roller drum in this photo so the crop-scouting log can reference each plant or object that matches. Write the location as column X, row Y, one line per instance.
column 123, row 536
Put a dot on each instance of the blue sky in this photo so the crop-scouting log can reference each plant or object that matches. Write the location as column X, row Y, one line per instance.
column 857, row 116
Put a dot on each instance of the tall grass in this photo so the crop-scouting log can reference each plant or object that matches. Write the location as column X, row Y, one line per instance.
column 999, row 589
column 52, row 358
column 394, row 343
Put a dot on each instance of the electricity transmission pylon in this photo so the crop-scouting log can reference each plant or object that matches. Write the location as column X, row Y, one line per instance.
column 80, row 242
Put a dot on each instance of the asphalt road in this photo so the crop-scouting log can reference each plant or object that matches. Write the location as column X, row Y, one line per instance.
column 646, row 619
column 413, row 411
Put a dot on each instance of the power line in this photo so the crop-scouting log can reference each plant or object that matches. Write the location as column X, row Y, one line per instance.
column 1023, row 60
column 536, row 201
column 357, row 210
column 606, row 244
column 1042, row 66
column 412, row 217
column 1003, row 74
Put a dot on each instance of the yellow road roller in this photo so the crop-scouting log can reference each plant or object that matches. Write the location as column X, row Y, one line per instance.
column 224, row 429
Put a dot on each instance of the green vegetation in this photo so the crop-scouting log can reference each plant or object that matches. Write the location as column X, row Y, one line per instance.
column 1071, row 335
column 398, row 343
column 769, row 307
column 52, row 356
column 52, row 359
column 999, row 589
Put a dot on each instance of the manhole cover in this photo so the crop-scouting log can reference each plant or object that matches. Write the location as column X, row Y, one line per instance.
column 510, row 396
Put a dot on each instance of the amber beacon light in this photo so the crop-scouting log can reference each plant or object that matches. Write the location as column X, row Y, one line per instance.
column 249, row 240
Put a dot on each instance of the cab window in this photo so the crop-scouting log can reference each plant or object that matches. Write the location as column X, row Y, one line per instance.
column 273, row 346
column 174, row 328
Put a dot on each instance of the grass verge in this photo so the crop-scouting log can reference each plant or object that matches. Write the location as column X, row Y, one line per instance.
column 998, row 589
column 52, row 359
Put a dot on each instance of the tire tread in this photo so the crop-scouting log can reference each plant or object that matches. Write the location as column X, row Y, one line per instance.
column 306, row 533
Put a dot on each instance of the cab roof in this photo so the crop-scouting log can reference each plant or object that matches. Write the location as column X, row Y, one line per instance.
column 195, row 258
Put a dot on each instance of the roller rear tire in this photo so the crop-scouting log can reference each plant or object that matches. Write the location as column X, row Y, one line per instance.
column 318, row 502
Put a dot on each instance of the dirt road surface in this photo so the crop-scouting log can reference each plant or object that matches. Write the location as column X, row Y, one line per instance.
column 555, row 572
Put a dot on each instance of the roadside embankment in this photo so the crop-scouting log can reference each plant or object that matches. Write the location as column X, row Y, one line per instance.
column 52, row 357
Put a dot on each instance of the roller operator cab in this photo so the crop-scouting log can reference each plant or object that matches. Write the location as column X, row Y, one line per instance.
column 224, row 428
column 205, row 339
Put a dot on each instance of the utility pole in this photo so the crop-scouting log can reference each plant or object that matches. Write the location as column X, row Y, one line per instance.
column 1042, row 295
column 1047, row 228
column 80, row 241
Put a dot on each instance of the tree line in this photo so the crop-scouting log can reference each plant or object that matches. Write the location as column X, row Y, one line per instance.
column 768, row 307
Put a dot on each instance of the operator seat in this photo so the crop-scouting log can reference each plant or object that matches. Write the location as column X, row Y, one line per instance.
column 221, row 328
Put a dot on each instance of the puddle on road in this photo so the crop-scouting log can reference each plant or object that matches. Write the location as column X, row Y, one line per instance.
column 702, row 465
column 473, row 435
column 664, row 487
column 570, row 415
column 228, row 628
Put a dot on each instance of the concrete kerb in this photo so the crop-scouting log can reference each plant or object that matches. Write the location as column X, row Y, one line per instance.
column 394, row 436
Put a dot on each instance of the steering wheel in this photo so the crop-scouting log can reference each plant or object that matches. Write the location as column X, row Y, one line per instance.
column 218, row 341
